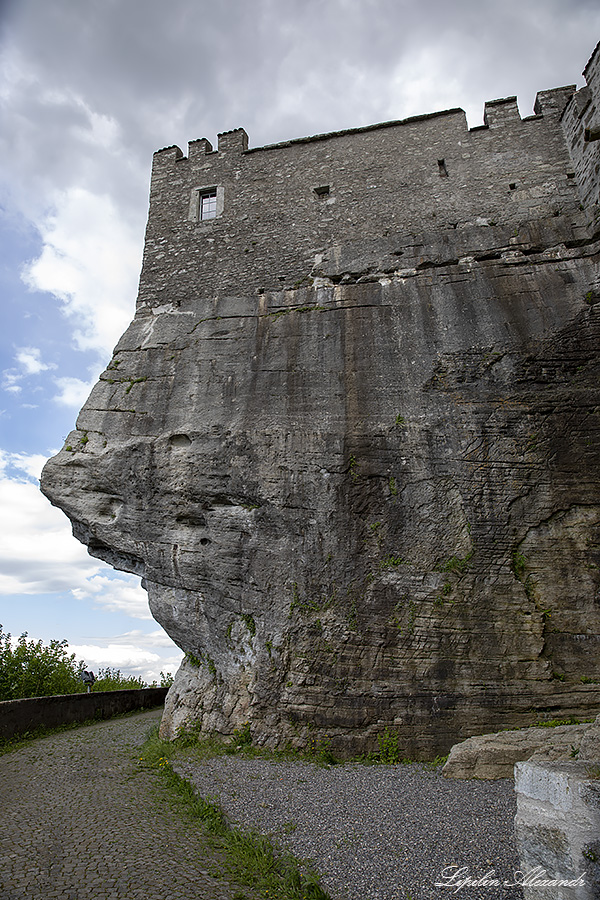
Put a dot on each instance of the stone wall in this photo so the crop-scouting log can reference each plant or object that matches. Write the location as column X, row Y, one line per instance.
column 377, row 185
column 19, row 716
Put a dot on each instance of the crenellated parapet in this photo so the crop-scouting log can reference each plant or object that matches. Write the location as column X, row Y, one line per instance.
column 270, row 217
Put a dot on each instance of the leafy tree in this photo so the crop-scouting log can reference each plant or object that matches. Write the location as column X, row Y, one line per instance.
column 32, row 669
column 166, row 679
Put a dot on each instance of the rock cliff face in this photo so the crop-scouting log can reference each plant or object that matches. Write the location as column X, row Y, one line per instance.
column 353, row 448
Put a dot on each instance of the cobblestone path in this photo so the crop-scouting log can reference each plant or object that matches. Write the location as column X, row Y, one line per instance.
column 80, row 820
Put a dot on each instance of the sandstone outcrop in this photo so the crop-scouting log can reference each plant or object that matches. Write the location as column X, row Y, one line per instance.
column 495, row 755
column 351, row 438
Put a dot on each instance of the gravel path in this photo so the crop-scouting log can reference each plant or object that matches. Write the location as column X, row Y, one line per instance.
column 373, row 832
column 82, row 821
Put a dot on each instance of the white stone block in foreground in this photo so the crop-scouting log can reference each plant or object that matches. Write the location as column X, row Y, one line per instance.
column 557, row 829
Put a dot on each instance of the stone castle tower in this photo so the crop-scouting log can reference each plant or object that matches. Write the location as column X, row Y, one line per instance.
column 351, row 438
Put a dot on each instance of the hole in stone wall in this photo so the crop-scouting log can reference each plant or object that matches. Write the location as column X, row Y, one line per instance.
column 179, row 440
column 442, row 168
column 204, row 541
column 513, row 186
column 191, row 519
column 322, row 191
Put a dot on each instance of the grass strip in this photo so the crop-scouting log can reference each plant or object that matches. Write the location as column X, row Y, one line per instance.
column 251, row 859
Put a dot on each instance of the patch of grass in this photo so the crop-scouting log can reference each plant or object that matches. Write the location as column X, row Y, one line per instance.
column 444, row 594
column 250, row 858
column 135, row 381
column 241, row 738
column 389, row 753
column 391, row 562
column 193, row 660
column 456, row 564
column 319, row 752
column 554, row 723
column 518, row 564
column 250, row 623
column 388, row 747
column 311, row 604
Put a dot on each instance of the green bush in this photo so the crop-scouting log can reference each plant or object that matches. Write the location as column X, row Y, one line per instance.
column 32, row 669
column 113, row 680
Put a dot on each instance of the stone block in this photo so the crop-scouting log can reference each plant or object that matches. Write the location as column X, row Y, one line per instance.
column 557, row 829
column 495, row 755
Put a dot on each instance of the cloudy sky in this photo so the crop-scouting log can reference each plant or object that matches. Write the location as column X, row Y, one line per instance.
column 88, row 90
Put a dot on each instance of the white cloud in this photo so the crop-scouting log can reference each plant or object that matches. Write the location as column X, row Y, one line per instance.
column 90, row 261
column 130, row 658
column 30, row 360
column 158, row 638
column 73, row 391
column 29, row 463
column 116, row 593
column 10, row 381
column 114, row 655
column 38, row 553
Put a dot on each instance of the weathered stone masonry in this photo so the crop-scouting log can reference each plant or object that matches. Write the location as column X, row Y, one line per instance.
column 350, row 439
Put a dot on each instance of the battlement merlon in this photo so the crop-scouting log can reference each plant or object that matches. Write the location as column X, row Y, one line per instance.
column 553, row 102
column 235, row 141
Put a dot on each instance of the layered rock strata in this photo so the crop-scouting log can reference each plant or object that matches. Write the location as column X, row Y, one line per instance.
column 357, row 465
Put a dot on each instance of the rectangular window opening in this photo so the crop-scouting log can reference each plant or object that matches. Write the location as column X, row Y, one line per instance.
column 322, row 191
column 208, row 204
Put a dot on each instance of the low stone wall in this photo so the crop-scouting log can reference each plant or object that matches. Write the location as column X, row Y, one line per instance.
column 19, row 716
